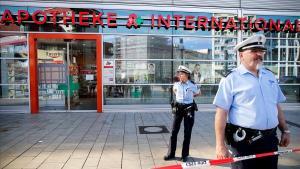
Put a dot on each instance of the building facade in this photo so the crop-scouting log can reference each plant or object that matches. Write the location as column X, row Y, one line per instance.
column 79, row 56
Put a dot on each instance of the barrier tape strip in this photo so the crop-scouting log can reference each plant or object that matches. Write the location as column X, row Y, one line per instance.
column 198, row 164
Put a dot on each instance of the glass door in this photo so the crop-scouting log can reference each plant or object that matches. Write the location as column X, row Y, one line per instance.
column 66, row 74
column 82, row 75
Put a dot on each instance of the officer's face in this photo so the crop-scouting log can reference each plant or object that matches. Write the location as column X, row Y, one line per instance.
column 183, row 77
column 252, row 58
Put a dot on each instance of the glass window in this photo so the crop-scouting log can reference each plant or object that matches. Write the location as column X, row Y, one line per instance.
column 187, row 48
column 289, row 70
column 273, row 66
column 283, row 42
column 291, row 92
column 137, row 47
column 141, row 72
column 14, row 98
column 137, row 61
column 208, row 93
column 282, row 54
column 14, row 91
column 204, row 48
column 14, row 72
column 137, row 94
column 207, row 72
column 13, row 46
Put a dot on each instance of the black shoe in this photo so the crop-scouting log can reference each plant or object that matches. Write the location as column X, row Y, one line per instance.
column 184, row 159
column 168, row 157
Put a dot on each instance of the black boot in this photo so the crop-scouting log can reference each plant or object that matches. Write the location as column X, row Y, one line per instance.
column 168, row 157
column 184, row 159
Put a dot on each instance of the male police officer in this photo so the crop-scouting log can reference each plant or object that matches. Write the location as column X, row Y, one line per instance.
column 185, row 91
column 250, row 97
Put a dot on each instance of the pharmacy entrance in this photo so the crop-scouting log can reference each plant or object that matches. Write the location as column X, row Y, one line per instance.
column 65, row 72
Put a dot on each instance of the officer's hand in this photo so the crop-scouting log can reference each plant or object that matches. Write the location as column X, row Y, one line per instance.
column 285, row 139
column 222, row 152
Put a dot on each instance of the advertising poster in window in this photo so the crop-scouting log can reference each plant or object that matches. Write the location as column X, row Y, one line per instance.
column 151, row 72
column 109, row 72
column 51, row 56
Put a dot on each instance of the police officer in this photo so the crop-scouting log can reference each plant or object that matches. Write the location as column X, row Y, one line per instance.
column 248, row 100
column 185, row 90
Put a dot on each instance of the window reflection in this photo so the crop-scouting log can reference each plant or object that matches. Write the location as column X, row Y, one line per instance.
column 143, row 72
column 204, row 48
column 224, row 48
column 207, row 94
column 292, row 92
column 192, row 48
column 207, row 72
column 14, row 59
column 137, row 94
column 14, row 92
column 14, row 72
column 137, row 47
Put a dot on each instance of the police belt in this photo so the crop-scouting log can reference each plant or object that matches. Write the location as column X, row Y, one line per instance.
column 251, row 134
column 253, row 131
column 183, row 105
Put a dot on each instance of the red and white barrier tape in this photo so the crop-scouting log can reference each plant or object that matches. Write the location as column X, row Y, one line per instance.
column 198, row 164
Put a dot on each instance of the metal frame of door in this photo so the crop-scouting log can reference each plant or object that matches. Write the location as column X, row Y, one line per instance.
column 34, row 93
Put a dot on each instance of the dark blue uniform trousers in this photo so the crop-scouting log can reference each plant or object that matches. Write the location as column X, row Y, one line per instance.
column 188, row 125
column 267, row 143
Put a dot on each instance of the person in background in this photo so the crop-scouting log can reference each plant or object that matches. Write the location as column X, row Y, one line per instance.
column 196, row 75
column 248, row 111
column 185, row 91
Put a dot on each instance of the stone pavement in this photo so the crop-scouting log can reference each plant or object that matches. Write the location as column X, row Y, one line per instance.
column 112, row 140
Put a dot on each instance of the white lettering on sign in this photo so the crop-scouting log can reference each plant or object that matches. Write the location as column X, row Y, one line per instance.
column 192, row 164
column 244, row 158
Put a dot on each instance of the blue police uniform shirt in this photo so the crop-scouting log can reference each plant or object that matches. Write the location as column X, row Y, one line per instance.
column 185, row 92
column 251, row 101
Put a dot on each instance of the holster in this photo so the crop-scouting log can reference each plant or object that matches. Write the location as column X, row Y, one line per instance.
column 195, row 106
column 173, row 107
column 229, row 134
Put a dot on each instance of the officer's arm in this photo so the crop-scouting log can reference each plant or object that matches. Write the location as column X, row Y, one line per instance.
column 282, row 123
column 285, row 137
column 197, row 92
column 220, row 124
column 174, row 90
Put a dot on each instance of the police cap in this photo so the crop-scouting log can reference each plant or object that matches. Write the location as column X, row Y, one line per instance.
column 184, row 69
column 256, row 41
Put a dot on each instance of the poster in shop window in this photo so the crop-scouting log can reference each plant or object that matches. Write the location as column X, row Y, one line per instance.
column 109, row 72
column 51, row 56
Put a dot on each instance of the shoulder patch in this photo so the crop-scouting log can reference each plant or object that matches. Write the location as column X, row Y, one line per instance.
column 269, row 70
column 228, row 73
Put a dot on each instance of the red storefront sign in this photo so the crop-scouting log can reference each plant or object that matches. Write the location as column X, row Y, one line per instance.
column 189, row 22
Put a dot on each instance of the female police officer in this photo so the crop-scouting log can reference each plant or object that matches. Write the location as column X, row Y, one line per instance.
column 250, row 97
column 185, row 91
